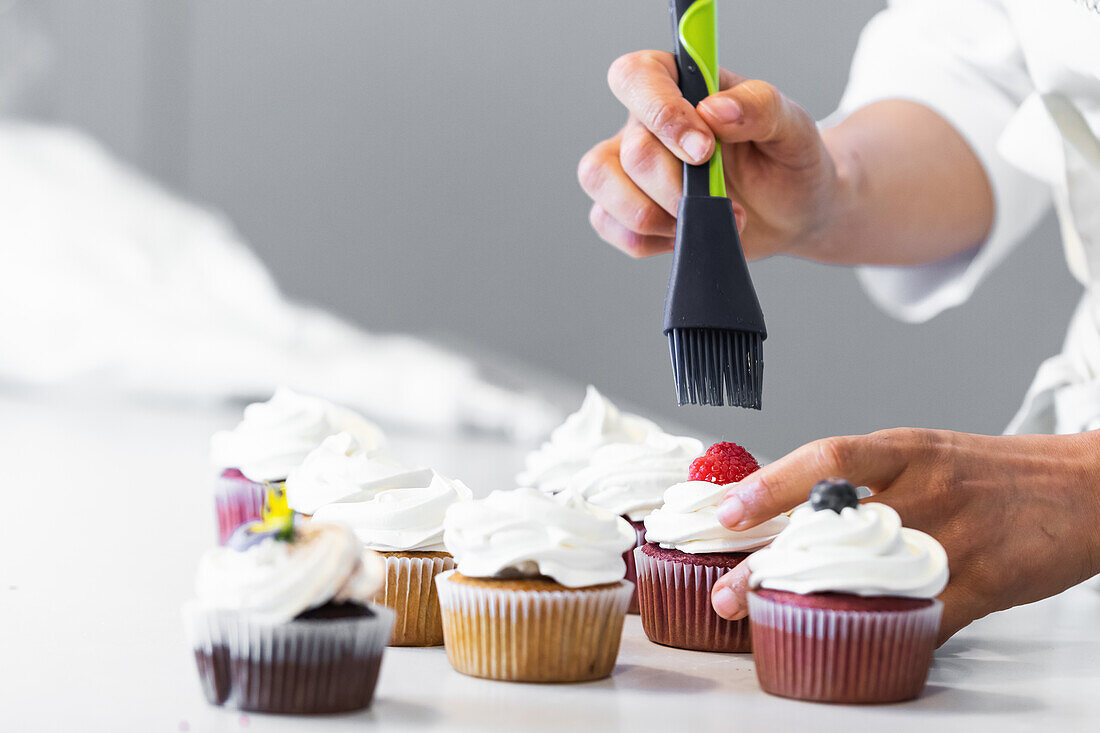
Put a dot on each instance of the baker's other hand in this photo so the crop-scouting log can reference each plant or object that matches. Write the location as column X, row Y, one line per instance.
column 1019, row 516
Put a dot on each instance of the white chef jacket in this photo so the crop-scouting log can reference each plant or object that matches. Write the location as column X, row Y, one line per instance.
column 1020, row 80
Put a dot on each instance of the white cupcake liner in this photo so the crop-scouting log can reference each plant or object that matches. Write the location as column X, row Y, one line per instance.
column 410, row 592
column 842, row 655
column 299, row 667
column 532, row 636
column 674, row 602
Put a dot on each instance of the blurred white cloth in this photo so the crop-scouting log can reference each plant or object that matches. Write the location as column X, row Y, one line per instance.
column 1020, row 80
column 108, row 281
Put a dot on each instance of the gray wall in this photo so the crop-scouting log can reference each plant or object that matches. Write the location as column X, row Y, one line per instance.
column 412, row 166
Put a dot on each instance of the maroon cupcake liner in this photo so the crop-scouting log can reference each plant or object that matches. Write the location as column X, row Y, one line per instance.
column 302, row 667
column 674, row 602
column 237, row 500
column 842, row 655
column 631, row 568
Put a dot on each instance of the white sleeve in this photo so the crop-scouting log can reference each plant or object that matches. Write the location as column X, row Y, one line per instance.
column 962, row 59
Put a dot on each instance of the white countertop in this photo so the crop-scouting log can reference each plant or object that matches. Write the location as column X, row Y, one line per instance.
column 108, row 511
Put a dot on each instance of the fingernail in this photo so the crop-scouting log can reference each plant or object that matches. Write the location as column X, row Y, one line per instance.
column 730, row 511
column 725, row 603
column 696, row 145
column 724, row 109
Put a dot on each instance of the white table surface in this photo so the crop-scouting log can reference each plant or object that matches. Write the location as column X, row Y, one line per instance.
column 107, row 511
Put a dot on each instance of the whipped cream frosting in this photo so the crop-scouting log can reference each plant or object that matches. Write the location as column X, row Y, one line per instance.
column 527, row 532
column 275, row 436
column 402, row 513
column 597, row 423
column 630, row 478
column 274, row 581
column 340, row 467
column 688, row 522
column 864, row 551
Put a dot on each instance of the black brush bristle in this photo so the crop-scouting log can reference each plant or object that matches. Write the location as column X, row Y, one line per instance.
column 714, row 366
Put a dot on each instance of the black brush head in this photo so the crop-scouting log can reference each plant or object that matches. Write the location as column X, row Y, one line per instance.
column 713, row 320
column 717, row 367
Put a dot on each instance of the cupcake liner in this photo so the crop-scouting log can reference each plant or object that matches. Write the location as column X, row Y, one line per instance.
column 631, row 569
column 236, row 500
column 532, row 636
column 674, row 602
column 300, row 667
column 842, row 656
column 410, row 592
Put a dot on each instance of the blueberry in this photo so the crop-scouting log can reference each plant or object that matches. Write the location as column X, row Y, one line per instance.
column 833, row 493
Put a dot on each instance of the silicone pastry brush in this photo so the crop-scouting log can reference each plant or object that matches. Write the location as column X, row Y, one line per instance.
column 713, row 320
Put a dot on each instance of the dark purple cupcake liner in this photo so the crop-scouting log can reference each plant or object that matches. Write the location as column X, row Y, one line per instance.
column 299, row 667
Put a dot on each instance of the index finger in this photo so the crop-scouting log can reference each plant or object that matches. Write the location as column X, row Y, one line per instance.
column 872, row 460
column 645, row 81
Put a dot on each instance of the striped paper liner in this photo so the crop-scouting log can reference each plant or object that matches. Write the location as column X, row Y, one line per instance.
column 299, row 667
column 674, row 601
column 236, row 500
column 532, row 636
column 842, row 656
column 410, row 592
column 631, row 569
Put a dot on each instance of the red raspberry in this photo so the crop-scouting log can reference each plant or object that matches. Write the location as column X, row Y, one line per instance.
column 723, row 463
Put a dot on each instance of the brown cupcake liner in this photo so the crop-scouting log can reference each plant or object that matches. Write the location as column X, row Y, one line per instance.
column 841, row 655
column 569, row 635
column 410, row 592
column 299, row 667
column 674, row 602
column 631, row 569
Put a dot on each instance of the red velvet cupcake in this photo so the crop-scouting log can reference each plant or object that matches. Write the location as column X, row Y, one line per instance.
column 842, row 607
column 631, row 567
column 688, row 550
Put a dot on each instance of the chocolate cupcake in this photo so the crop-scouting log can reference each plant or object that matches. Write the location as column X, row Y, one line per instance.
column 538, row 594
column 272, row 439
column 401, row 518
column 282, row 621
column 843, row 603
column 688, row 550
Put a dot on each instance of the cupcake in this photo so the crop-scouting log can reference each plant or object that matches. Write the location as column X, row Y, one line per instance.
column 597, row 423
column 282, row 623
column 272, row 439
column 629, row 479
column 400, row 517
column 843, row 604
column 538, row 594
column 687, row 550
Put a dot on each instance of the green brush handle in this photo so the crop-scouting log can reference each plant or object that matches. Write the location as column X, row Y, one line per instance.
column 695, row 28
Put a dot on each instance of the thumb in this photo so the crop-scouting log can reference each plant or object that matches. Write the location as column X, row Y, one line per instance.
column 728, row 594
column 755, row 111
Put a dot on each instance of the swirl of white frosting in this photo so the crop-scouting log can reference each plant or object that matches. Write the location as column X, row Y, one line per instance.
column 274, row 581
column 403, row 513
column 863, row 551
column 630, row 478
column 275, row 436
column 339, row 468
column 597, row 423
column 527, row 533
column 688, row 522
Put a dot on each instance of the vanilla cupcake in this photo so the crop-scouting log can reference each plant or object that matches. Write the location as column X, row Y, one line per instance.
column 843, row 603
column 282, row 622
column 687, row 551
column 272, row 439
column 629, row 479
column 597, row 423
column 399, row 515
column 538, row 594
